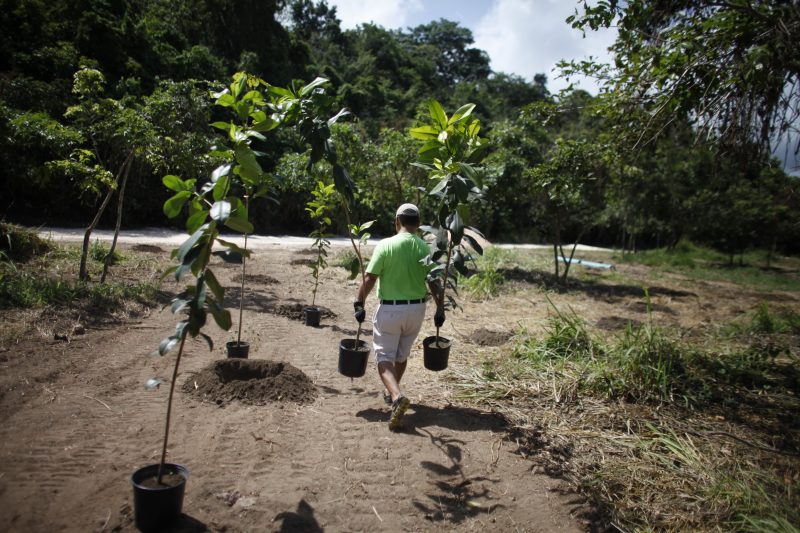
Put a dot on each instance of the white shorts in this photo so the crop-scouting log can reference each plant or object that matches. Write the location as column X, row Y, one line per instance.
column 394, row 330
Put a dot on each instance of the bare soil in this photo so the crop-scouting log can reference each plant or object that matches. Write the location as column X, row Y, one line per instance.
column 310, row 453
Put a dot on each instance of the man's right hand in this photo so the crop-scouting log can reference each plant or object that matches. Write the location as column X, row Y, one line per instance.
column 360, row 313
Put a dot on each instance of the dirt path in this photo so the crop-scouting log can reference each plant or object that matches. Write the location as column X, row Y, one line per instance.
column 75, row 421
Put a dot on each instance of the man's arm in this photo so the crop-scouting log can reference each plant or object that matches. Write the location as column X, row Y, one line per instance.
column 366, row 287
column 436, row 292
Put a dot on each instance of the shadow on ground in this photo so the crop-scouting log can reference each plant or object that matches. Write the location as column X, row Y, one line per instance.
column 594, row 289
column 449, row 417
column 300, row 521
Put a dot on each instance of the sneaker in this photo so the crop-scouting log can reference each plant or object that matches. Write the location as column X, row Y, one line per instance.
column 387, row 398
column 399, row 407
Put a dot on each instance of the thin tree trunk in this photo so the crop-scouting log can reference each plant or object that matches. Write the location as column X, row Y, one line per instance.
column 120, row 202
column 169, row 405
column 244, row 265
column 82, row 275
column 358, row 255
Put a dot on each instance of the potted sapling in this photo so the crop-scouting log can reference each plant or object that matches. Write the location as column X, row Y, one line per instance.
column 159, row 488
column 451, row 154
column 241, row 169
column 318, row 209
column 354, row 353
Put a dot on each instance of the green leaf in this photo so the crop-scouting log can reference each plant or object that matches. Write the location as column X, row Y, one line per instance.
column 313, row 85
column 220, row 171
column 437, row 114
column 221, row 316
column 474, row 244
column 221, row 211
column 229, row 256
column 221, row 188
column 194, row 222
column 424, row 133
column 224, row 126
column 167, row 272
column 238, row 85
column 265, row 125
column 462, row 113
column 167, row 344
column 173, row 183
column 249, row 167
column 213, row 284
column 456, row 226
column 240, row 224
column 178, row 304
column 439, row 187
column 189, row 243
column 173, row 206
column 208, row 341
column 225, row 100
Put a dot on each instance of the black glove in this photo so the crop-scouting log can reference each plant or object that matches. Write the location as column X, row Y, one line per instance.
column 438, row 318
column 360, row 313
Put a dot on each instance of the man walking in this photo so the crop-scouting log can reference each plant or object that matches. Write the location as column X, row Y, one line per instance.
column 397, row 267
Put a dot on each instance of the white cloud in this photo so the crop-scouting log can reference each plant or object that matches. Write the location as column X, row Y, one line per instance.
column 527, row 37
column 386, row 13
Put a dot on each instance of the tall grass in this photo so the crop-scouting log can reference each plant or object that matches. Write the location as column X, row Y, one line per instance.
column 643, row 364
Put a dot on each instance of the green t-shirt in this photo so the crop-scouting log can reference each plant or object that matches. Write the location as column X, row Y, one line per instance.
column 396, row 262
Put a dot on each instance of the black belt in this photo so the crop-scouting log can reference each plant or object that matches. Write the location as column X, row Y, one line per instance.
column 402, row 302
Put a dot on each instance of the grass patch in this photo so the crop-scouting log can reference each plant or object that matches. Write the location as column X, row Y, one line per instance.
column 659, row 434
column 762, row 320
column 98, row 251
column 19, row 289
column 49, row 278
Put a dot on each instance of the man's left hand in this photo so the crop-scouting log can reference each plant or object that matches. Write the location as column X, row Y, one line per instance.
column 438, row 318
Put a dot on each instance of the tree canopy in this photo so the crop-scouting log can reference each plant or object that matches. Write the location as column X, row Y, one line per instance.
column 674, row 146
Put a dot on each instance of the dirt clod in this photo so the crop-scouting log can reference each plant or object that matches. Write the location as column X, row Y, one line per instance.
column 254, row 382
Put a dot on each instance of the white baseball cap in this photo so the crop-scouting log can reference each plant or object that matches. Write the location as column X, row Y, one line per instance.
column 408, row 210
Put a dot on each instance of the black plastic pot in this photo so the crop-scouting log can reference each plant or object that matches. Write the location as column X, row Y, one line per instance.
column 156, row 508
column 352, row 359
column 238, row 350
column 436, row 357
column 312, row 315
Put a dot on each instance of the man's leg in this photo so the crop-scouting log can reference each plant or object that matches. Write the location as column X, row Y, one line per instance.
column 399, row 370
column 389, row 376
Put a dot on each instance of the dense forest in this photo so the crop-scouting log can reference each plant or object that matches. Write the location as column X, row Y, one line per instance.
column 92, row 89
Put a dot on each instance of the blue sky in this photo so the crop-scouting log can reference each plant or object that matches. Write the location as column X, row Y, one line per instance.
column 523, row 37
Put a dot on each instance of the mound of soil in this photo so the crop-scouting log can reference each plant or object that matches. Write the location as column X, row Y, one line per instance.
column 488, row 337
column 149, row 248
column 295, row 311
column 251, row 381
